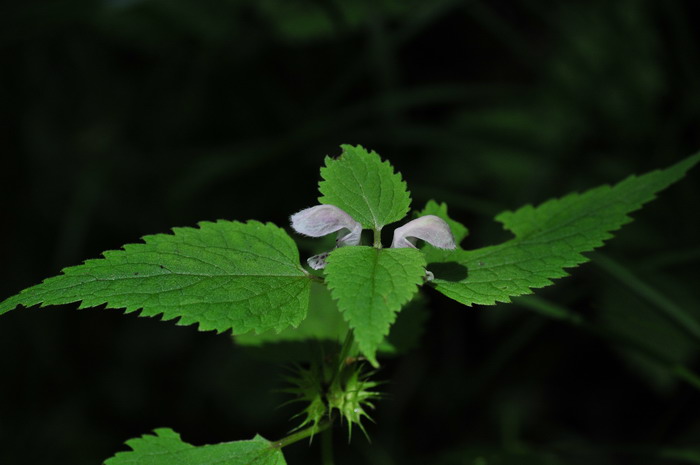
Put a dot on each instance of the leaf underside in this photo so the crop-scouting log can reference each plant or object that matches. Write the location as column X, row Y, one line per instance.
column 222, row 275
column 166, row 448
column 368, row 189
column 548, row 239
column 371, row 285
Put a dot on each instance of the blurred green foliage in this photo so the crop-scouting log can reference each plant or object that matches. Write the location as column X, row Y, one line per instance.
column 125, row 118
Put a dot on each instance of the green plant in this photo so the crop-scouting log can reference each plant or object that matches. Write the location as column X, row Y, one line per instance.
column 247, row 278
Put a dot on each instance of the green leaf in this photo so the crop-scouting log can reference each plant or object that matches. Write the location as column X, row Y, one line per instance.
column 368, row 189
column 370, row 286
column 459, row 231
column 323, row 322
column 166, row 448
column 548, row 238
column 223, row 275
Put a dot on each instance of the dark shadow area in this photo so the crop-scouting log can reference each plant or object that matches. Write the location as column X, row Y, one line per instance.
column 449, row 271
column 291, row 351
column 124, row 118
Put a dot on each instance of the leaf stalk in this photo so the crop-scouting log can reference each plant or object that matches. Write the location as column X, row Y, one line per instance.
column 302, row 434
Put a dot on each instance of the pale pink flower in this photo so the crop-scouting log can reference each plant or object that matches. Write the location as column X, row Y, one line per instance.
column 429, row 228
column 322, row 220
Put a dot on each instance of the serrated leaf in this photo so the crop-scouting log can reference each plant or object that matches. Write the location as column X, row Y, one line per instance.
column 223, row 275
column 548, row 239
column 366, row 188
column 166, row 448
column 323, row 322
column 370, row 286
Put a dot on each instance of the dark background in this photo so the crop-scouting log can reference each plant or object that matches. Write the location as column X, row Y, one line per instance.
column 122, row 118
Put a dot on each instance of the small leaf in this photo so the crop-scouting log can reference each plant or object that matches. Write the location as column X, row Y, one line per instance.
column 365, row 187
column 370, row 286
column 223, row 275
column 548, row 239
column 166, row 448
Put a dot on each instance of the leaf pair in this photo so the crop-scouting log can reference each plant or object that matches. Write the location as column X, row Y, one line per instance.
column 370, row 284
column 247, row 277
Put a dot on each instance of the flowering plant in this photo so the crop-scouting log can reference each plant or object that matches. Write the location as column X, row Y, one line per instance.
column 247, row 278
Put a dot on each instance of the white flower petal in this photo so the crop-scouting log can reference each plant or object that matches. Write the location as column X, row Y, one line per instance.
column 429, row 228
column 351, row 238
column 326, row 219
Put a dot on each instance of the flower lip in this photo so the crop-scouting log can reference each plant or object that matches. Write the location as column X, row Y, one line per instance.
column 429, row 228
column 322, row 220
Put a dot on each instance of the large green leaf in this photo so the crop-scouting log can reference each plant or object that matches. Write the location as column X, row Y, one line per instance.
column 223, row 275
column 166, row 448
column 370, row 286
column 366, row 188
column 548, row 239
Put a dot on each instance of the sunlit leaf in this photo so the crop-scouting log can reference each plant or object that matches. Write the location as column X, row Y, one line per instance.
column 364, row 186
column 371, row 285
column 548, row 239
column 223, row 275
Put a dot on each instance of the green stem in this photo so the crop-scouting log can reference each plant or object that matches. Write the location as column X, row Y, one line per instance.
column 688, row 376
column 327, row 447
column 318, row 279
column 303, row 434
column 347, row 346
column 344, row 354
column 377, row 238
column 676, row 314
column 549, row 309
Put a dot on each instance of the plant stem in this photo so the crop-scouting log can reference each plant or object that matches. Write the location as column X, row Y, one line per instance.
column 319, row 279
column 299, row 435
column 377, row 238
column 676, row 314
column 327, row 447
column 345, row 350
column 551, row 310
column 344, row 354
